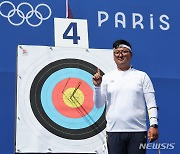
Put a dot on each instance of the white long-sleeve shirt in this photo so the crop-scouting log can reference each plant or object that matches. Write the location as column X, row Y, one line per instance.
column 126, row 94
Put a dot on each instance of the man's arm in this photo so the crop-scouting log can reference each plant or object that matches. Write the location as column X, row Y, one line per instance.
column 98, row 96
column 153, row 116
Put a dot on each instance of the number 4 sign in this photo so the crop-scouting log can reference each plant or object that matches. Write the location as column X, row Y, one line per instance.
column 71, row 33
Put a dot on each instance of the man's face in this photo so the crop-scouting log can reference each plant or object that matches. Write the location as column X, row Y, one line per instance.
column 122, row 57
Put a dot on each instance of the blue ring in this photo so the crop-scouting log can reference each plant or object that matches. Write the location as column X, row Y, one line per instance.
column 50, row 110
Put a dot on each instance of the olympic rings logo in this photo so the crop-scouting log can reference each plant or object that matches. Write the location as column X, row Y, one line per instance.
column 26, row 16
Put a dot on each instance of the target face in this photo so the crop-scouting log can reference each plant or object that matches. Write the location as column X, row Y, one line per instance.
column 61, row 99
column 55, row 107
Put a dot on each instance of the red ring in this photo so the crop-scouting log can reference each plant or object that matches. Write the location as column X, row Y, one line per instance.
column 61, row 107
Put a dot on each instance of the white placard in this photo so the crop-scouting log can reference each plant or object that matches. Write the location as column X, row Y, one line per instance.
column 71, row 33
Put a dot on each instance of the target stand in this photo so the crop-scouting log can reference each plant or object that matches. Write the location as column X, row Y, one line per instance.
column 55, row 108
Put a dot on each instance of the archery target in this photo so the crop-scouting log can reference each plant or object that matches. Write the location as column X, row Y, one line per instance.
column 55, row 99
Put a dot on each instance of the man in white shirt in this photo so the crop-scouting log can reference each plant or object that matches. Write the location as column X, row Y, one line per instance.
column 126, row 93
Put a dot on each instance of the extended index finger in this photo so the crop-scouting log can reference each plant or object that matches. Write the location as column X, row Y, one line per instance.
column 98, row 71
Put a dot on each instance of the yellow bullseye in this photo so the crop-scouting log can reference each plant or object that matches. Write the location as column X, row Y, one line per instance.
column 73, row 100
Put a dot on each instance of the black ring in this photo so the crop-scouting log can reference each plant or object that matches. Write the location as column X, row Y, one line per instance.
column 36, row 105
